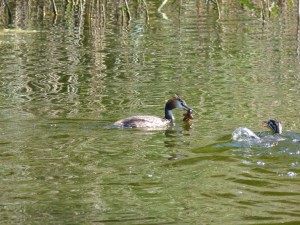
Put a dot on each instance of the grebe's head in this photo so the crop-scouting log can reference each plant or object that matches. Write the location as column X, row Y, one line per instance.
column 177, row 102
column 274, row 125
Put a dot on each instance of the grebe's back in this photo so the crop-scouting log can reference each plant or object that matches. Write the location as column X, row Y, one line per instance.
column 142, row 122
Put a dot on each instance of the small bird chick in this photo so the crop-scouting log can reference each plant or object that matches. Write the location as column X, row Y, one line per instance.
column 188, row 115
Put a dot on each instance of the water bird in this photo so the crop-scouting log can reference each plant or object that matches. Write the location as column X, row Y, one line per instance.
column 274, row 125
column 145, row 121
column 245, row 134
column 187, row 117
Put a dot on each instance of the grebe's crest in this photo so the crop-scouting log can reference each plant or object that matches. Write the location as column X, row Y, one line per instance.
column 274, row 125
column 177, row 102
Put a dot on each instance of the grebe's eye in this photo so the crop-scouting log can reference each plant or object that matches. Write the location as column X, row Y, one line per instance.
column 182, row 103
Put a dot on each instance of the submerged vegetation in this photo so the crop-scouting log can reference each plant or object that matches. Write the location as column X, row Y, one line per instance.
column 123, row 11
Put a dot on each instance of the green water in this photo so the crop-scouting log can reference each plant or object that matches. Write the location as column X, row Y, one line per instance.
column 63, row 84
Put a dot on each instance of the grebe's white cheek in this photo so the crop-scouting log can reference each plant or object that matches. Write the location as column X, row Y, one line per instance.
column 179, row 105
column 280, row 128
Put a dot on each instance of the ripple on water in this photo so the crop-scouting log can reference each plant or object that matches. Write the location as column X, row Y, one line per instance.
column 261, row 179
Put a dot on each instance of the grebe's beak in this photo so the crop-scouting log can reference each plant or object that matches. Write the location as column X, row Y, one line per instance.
column 182, row 105
column 186, row 107
column 265, row 124
column 274, row 125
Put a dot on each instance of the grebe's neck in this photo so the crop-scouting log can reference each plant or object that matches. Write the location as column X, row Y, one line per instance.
column 169, row 115
column 168, row 112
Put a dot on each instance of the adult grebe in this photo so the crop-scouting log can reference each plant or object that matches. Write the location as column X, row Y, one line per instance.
column 274, row 125
column 245, row 134
column 153, row 121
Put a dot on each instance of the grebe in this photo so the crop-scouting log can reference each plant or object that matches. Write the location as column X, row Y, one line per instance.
column 245, row 134
column 274, row 125
column 187, row 117
column 153, row 121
